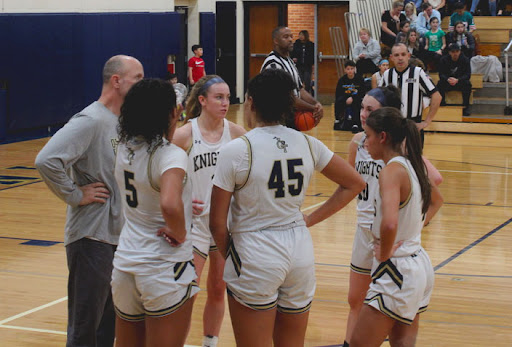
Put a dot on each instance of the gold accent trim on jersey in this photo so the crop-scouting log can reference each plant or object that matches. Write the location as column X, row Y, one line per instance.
column 174, row 308
column 360, row 270
column 294, row 310
column 403, row 204
column 310, row 149
column 389, row 268
column 249, row 149
column 234, row 258
column 150, row 171
column 199, row 253
column 256, row 307
column 129, row 317
column 385, row 310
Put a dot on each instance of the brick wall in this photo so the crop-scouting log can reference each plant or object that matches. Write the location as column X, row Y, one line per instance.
column 302, row 17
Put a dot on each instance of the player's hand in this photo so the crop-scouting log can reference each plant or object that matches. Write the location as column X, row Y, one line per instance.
column 318, row 113
column 170, row 236
column 422, row 125
column 94, row 192
column 378, row 251
column 349, row 101
column 197, row 207
column 306, row 219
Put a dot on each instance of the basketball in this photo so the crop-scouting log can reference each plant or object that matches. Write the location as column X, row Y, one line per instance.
column 304, row 120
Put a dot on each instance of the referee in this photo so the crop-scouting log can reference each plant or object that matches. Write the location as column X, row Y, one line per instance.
column 414, row 84
column 279, row 58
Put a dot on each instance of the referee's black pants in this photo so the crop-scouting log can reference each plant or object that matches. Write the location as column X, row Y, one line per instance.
column 464, row 86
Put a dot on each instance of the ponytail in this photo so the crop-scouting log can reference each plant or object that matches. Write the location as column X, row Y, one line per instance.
column 391, row 121
column 193, row 108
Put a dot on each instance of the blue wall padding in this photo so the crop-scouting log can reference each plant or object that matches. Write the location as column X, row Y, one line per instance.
column 207, row 40
column 53, row 62
column 3, row 115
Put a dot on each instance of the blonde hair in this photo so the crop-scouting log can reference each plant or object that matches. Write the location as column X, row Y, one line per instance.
column 409, row 5
column 193, row 108
column 366, row 30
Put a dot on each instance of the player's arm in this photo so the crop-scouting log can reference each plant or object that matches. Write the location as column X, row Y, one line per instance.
column 436, row 201
column 390, row 180
column 183, row 136
column 236, row 130
column 350, row 183
column 171, row 204
column 190, row 78
column 219, row 208
column 308, row 101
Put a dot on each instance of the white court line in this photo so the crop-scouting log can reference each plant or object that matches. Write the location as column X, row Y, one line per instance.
column 33, row 310
column 313, row 206
column 479, row 172
column 33, row 329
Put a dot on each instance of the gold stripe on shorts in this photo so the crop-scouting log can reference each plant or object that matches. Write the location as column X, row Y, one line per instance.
column 214, row 248
column 385, row 310
column 256, row 307
column 199, row 253
column 360, row 270
column 174, row 308
column 389, row 268
column 129, row 317
column 294, row 310
column 422, row 309
column 235, row 258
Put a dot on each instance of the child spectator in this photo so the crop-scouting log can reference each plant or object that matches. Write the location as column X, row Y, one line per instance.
column 401, row 37
column 462, row 16
column 435, row 42
column 349, row 94
column 196, row 65
column 465, row 39
column 172, row 78
column 366, row 53
column 376, row 77
column 505, row 8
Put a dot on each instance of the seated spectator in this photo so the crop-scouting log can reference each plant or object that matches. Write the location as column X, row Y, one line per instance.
column 462, row 16
column 439, row 5
column 492, row 6
column 391, row 23
column 413, row 43
column 435, row 42
column 401, row 37
column 376, row 77
column 366, row 53
column 465, row 39
column 455, row 74
column 349, row 94
column 505, row 8
column 423, row 20
column 171, row 77
column 410, row 13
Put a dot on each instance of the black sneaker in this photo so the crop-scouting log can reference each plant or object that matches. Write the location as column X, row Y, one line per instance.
column 466, row 111
column 355, row 129
column 337, row 126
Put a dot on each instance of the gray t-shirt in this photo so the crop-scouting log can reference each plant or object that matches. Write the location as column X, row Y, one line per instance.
column 80, row 153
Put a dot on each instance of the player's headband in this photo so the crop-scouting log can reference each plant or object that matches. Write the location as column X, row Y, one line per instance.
column 378, row 94
column 209, row 83
column 382, row 61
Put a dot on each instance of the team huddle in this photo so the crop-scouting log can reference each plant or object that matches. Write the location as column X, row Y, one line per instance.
column 209, row 188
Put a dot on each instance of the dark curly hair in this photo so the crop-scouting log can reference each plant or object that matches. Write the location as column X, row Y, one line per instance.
column 146, row 111
column 272, row 94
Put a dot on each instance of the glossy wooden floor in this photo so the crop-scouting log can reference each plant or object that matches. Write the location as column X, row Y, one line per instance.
column 469, row 242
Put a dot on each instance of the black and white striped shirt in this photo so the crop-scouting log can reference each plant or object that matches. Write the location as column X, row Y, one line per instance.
column 414, row 84
column 276, row 61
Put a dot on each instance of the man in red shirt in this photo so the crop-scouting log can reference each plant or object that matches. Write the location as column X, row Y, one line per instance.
column 196, row 65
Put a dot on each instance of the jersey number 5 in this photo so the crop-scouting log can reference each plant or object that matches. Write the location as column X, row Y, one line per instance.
column 131, row 200
column 276, row 182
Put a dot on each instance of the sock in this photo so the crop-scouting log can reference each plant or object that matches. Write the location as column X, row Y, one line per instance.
column 210, row 341
column 345, row 344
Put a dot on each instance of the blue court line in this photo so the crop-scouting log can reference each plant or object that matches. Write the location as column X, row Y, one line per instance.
column 473, row 244
column 21, row 185
column 30, row 240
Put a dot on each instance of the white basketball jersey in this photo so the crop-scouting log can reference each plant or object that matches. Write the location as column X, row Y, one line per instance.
column 410, row 217
column 202, row 159
column 138, row 171
column 369, row 169
column 278, row 165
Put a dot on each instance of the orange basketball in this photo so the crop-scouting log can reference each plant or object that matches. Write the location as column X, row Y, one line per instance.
column 304, row 120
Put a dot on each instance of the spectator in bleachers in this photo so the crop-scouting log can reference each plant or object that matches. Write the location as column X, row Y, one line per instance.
column 460, row 15
column 410, row 13
column 413, row 43
column 439, row 5
column 435, row 42
column 350, row 92
column 492, row 6
column 505, row 8
column 391, row 23
column 401, row 37
column 376, row 77
column 423, row 20
column 455, row 74
column 465, row 39
column 366, row 53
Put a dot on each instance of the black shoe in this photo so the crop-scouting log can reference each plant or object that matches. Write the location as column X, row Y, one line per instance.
column 355, row 129
column 337, row 126
column 466, row 111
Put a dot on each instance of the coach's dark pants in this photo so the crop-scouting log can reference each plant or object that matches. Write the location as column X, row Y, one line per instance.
column 464, row 86
column 366, row 66
column 91, row 316
column 305, row 76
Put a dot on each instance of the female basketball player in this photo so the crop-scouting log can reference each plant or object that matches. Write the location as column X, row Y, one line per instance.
column 270, row 266
column 402, row 274
column 369, row 169
column 202, row 137
column 152, row 281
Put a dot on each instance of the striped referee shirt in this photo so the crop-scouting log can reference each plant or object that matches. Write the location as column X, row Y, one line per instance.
column 414, row 84
column 276, row 61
